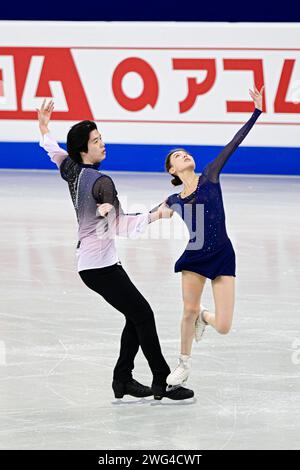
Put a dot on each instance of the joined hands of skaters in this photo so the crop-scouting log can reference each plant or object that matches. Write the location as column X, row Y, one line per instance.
column 163, row 211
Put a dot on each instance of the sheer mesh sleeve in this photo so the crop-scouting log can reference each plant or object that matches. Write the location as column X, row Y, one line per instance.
column 154, row 209
column 104, row 191
column 69, row 170
column 128, row 225
column 170, row 200
column 213, row 168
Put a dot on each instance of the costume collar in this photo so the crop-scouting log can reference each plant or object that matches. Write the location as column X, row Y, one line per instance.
column 90, row 165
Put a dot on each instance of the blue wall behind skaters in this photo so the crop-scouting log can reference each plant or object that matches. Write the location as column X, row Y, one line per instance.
column 136, row 157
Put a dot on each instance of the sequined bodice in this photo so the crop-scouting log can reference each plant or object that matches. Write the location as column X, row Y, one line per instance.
column 203, row 210
column 203, row 213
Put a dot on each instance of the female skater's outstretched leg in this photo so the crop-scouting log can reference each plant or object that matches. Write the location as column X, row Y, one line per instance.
column 224, row 294
column 192, row 288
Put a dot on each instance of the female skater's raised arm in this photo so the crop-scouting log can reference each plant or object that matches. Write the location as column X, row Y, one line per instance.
column 213, row 168
column 56, row 153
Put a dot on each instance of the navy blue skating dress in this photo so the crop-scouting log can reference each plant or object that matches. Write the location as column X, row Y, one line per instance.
column 209, row 251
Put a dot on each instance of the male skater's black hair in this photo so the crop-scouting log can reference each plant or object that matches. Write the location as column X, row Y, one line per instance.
column 77, row 139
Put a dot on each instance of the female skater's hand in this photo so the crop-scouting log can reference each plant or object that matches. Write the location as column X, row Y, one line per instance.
column 164, row 211
column 44, row 115
column 104, row 209
column 257, row 96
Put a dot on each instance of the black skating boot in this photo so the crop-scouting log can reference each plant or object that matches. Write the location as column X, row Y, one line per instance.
column 133, row 388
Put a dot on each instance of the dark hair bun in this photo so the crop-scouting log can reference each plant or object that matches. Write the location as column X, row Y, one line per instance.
column 176, row 181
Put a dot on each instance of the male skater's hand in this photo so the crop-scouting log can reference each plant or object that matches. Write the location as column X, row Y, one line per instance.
column 104, row 209
column 44, row 115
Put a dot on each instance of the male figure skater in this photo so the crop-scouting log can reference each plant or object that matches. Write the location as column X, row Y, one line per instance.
column 98, row 263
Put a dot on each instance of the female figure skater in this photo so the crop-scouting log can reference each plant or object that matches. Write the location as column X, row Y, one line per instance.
column 214, row 257
column 98, row 263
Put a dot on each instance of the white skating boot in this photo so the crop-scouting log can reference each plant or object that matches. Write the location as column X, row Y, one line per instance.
column 181, row 372
column 200, row 324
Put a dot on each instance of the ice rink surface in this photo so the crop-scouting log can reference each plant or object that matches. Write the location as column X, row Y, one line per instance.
column 59, row 341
